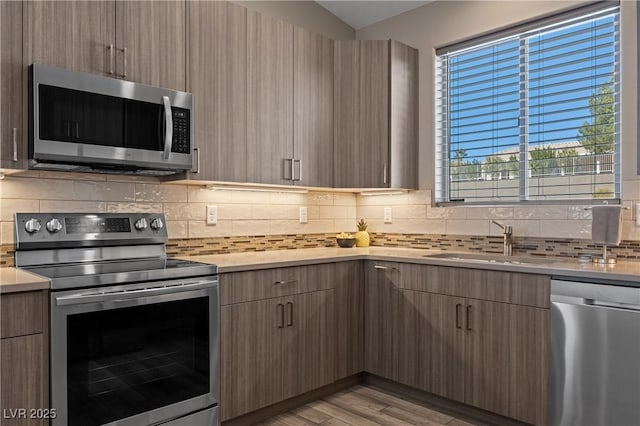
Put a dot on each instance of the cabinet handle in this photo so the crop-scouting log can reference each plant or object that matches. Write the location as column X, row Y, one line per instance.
column 288, row 170
column 196, row 153
column 469, row 317
column 14, row 135
column 299, row 169
column 458, row 306
column 285, row 282
column 280, row 308
column 290, row 306
column 384, row 174
column 124, row 60
column 386, row 268
column 111, row 53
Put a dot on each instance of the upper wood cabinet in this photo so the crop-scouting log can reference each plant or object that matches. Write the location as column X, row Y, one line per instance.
column 76, row 35
column 12, row 92
column 151, row 42
column 312, row 109
column 138, row 41
column 218, row 81
column 375, row 110
column 289, row 104
column 269, row 99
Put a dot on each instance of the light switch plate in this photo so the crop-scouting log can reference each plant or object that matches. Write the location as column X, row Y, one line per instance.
column 304, row 217
column 387, row 215
column 637, row 214
column 212, row 215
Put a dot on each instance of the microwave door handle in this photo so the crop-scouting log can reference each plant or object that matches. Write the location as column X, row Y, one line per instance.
column 168, row 127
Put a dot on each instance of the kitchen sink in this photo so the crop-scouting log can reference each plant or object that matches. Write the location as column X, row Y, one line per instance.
column 493, row 258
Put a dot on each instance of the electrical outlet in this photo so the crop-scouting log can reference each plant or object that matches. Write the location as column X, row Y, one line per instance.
column 637, row 214
column 387, row 215
column 304, row 217
column 212, row 215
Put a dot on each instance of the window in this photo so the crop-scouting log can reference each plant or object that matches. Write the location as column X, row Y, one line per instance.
column 531, row 114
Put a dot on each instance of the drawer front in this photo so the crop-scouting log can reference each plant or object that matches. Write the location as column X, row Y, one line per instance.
column 23, row 313
column 497, row 286
column 237, row 287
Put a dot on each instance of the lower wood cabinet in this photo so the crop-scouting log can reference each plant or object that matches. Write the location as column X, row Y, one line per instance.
column 485, row 353
column 276, row 348
column 24, row 359
column 349, row 305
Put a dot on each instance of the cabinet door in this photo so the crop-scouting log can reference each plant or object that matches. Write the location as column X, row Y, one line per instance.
column 431, row 347
column 81, row 43
column 309, row 342
column 269, row 99
column 218, row 44
column 12, row 135
column 251, row 375
column 24, row 378
column 346, row 94
column 349, row 289
column 507, row 354
column 371, row 161
column 154, row 36
column 383, row 305
column 403, row 168
column 313, row 109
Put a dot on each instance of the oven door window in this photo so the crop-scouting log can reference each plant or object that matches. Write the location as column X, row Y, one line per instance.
column 123, row 362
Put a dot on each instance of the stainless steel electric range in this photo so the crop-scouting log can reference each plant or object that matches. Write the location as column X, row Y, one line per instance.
column 134, row 335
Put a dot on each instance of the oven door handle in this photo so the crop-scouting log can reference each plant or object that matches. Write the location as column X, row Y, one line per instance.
column 127, row 295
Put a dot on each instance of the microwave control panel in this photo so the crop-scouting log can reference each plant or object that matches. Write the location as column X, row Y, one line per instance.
column 181, row 130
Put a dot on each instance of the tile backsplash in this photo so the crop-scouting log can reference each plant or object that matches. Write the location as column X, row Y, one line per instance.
column 249, row 220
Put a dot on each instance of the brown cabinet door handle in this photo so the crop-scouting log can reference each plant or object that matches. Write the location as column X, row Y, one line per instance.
column 280, row 315
column 458, row 306
column 290, row 321
column 469, row 317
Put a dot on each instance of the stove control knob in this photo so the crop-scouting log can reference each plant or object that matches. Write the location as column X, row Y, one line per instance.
column 141, row 224
column 32, row 225
column 157, row 224
column 54, row 225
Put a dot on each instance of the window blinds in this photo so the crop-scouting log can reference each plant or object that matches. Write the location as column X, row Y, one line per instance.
column 531, row 116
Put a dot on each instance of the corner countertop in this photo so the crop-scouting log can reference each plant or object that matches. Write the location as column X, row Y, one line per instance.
column 13, row 280
column 625, row 270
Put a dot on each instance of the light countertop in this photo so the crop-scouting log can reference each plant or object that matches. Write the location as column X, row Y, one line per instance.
column 13, row 280
column 624, row 270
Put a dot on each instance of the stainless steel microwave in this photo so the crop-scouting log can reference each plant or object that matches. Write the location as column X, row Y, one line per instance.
column 86, row 122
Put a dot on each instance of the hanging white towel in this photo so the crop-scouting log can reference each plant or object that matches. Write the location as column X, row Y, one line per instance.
column 606, row 225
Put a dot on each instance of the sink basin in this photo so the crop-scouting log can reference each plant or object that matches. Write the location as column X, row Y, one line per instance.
column 493, row 258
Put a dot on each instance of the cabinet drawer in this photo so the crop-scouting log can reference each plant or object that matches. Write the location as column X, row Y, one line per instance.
column 497, row 286
column 246, row 286
column 22, row 313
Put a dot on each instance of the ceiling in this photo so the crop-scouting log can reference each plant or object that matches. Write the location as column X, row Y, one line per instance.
column 360, row 14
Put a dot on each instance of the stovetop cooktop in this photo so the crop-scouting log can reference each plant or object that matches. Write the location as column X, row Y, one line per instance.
column 90, row 274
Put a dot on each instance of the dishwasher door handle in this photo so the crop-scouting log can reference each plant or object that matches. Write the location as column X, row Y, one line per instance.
column 612, row 305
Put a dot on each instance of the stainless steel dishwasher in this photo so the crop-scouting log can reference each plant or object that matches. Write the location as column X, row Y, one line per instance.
column 595, row 354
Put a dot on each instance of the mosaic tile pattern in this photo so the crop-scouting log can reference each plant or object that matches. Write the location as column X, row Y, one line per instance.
column 462, row 243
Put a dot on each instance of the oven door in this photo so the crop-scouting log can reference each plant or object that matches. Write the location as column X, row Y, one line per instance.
column 140, row 354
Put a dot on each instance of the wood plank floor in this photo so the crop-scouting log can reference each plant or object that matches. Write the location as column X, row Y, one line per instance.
column 362, row 405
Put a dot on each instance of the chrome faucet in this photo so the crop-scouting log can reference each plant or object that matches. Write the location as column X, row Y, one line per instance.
column 507, row 238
